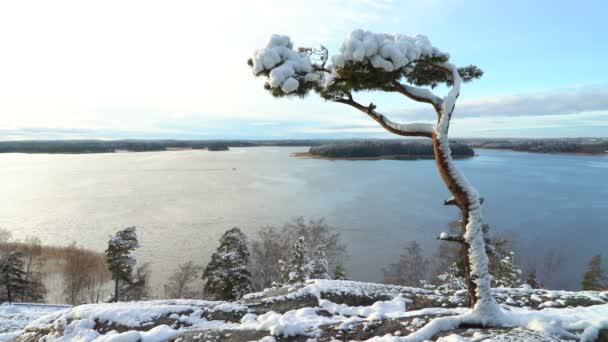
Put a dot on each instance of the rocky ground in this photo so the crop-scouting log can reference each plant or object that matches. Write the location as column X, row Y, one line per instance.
column 329, row 310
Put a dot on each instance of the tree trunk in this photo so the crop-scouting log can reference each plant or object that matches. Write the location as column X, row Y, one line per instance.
column 445, row 166
column 9, row 295
column 116, row 290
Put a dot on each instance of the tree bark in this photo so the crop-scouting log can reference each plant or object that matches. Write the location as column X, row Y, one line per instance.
column 445, row 167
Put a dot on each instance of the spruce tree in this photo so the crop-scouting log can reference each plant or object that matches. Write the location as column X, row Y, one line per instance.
column 297, row 269
column 532, row 279
column 319, row 266
column 12, row 277
column 119, row 258
column 506, row 273
column 340, row 272
column 594, row 278
column 227, row 274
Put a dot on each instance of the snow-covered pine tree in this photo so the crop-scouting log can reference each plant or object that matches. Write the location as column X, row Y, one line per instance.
column 339, row 272
column 227, row 274
column 398, row 64
column 119, row 258
column 12, row 277
column 297, row 269
column 506, row 273
column 410, row 269
column 595, row 277
column 532, row 279
column 451, row 279
column 319, row 266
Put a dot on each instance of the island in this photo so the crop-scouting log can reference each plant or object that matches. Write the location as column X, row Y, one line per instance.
column 381, row 149
column 584, row 146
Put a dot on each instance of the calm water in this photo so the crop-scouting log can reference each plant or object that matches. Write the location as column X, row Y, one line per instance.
column 182, row 201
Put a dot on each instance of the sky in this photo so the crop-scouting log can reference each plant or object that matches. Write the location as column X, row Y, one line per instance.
column 109, row 69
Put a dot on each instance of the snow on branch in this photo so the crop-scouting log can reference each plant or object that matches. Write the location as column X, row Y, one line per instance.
column 412, row 129
column 447, row 237
column 452, row 201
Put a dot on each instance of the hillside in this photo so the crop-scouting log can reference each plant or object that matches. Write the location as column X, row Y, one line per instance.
column 328, row 310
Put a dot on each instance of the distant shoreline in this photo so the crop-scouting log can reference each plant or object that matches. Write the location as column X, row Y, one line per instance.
column 540, row 152
column 308, row 155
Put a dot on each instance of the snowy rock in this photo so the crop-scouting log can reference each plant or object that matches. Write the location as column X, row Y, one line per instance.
column 321, row 310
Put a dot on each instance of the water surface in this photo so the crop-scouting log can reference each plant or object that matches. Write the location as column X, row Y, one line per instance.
column 182, row 201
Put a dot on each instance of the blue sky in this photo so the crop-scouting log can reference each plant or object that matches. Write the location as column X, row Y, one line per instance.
column 176, row 69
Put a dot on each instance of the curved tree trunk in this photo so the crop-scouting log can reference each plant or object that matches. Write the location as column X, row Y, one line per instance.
column 445, row 167
column 468, row 200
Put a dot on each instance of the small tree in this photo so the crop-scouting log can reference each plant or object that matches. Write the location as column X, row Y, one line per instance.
column 506, row 273
column 532, row 279
column 273, row 244
column 119, row 258
column 76, row 268
column 451, row 279
column 180, row 282
column 410, row 269
column 319, row 267
column 594, row 278
column 138, row 286
column 398, row 64
column 297, row 269
column 339, row 272
column 227, row 274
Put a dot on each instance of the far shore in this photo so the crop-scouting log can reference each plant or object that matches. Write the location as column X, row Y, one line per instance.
column 309, row 155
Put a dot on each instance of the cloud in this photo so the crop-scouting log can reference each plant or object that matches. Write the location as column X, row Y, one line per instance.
column 571, row 101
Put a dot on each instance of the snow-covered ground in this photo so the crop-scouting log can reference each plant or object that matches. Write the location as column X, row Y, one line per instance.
column 321, row 309
column 14, row 317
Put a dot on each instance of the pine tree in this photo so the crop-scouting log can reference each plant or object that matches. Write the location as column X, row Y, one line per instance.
column 532, row 279
column 506, row 273
column 119, row 258
column 12, row 277
column 297, row 270
column 595, row 276
column 227, row 274
column 319, row 266
column 414, row 72
column 339, row 272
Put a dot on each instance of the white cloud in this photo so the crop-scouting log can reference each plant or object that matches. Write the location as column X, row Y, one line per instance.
column 565, row 101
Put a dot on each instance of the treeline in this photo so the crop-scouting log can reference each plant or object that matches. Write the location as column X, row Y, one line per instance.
column 380, row 148
column 566, row 145
column 108, row 146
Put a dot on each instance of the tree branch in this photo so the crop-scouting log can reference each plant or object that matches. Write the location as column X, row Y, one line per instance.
column 452, row 238
column 452, row 201
column 409, row 130
column 418, row 94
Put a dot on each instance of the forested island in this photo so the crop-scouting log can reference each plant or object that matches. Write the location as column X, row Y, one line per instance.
column 558, row 145
column 383, row 149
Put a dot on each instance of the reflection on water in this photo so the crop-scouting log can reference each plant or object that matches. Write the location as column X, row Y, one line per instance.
column 182, row 201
